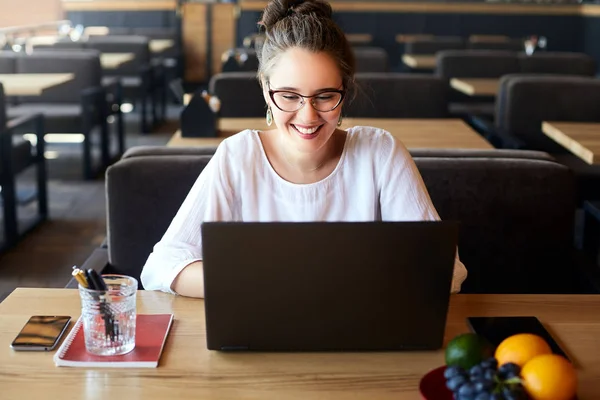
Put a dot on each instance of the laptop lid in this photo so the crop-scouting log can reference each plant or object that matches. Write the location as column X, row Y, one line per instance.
column 327, row 286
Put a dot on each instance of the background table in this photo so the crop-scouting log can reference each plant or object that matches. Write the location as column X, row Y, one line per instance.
column 187, row 370
column 114, row 60
column 359, row 38
column 31, row 84
column 160, row 45
column 580, row 138
column 414, row 133
column 476, row 86
column 419, row 61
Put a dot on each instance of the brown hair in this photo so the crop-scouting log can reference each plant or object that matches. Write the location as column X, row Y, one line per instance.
column 307, row 24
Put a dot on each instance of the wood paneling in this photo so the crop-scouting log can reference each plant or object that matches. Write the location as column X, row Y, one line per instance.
column 461, row 8
column 129, row 5
column 223, row 32
column 29, row 12
column 195, row 36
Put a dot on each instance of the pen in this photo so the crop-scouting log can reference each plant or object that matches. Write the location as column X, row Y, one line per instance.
column 95, row 282
column 80, row 277
column 112, row 326
column 88, row 278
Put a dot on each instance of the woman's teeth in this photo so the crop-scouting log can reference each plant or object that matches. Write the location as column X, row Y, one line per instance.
column 306, row 131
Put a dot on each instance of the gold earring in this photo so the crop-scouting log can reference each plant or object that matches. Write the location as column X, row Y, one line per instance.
column 339, row 120
column 269, row 116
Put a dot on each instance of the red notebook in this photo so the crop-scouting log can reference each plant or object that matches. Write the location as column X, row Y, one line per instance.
column 151, row 332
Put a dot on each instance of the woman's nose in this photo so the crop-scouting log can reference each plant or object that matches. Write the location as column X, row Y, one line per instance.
column 308, row 113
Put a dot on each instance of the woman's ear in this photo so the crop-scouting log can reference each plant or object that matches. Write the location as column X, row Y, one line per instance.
column 265, row 90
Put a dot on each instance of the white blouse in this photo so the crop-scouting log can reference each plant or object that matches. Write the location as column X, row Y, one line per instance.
column 375, row 180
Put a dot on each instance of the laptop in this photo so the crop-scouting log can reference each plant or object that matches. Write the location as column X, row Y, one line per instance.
column 327, row 286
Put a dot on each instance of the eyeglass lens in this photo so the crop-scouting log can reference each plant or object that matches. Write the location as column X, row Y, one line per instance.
column 290, row 101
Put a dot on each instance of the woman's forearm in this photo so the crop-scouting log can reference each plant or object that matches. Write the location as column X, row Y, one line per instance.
column 190, row 281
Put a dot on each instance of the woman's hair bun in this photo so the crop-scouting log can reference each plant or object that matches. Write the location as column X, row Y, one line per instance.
column 277, row 10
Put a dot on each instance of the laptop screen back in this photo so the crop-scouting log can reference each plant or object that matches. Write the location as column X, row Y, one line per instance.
column 327, row 286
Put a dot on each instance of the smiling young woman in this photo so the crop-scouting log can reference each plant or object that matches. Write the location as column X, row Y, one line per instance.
column 306, row 109
column 303, row 169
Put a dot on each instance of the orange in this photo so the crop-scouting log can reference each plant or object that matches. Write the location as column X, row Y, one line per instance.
column 549, row 377
column 521, row 348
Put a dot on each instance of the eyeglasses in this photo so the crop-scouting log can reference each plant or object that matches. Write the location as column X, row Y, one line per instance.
column 291, row 101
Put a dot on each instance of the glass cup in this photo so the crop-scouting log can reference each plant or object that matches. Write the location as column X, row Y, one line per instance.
column 109, row 316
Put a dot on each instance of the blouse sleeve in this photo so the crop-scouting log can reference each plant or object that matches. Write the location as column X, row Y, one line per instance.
column 404, row 197
column 210, row 199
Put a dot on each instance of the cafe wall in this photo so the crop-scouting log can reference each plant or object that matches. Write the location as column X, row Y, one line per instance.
column 29, row 12
column 565, row 32
column 571, row 27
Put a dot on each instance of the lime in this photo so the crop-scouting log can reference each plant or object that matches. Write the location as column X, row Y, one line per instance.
column 468, row 350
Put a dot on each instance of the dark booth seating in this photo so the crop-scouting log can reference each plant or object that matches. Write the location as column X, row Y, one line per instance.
column 240, row 94
column 79, row 106
column 524, row 101
column 433, row 45
column 557, row 63
column 8, row 62
column 512, row 240
column 510, row 44
column 397, row 95
column 371, row 59
column 141, row 82
column 475, row 63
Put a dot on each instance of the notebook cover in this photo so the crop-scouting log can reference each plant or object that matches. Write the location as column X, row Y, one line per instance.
column 150, row 335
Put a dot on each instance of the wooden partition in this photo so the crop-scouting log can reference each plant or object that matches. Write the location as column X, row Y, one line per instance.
column 195, row 41
column 223, row 32
column 208, row 31
column 115, row 5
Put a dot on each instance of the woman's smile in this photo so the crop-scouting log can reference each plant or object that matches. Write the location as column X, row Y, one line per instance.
column 307, row 132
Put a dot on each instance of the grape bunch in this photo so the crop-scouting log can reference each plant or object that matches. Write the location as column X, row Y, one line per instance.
column 485, row 381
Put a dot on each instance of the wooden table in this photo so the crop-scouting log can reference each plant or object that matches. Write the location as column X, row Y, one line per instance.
column 359, row 38
column 115, row 60
column 31, row 84
column 187, row 370
column 580, row 138
column 160, row 45
column 414, row 133
column 405, row 38
column 417, row 61
column 476, row 86
column 489, row 39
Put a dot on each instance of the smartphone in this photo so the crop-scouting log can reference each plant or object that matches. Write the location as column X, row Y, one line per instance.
column 496, row 329
column 41, row 333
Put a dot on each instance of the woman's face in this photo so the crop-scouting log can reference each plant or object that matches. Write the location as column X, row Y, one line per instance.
column 305, row 73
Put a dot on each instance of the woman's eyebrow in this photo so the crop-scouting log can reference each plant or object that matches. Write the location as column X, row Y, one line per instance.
column 293, row 89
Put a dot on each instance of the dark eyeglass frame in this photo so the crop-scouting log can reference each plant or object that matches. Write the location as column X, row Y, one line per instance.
column 341, row 92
